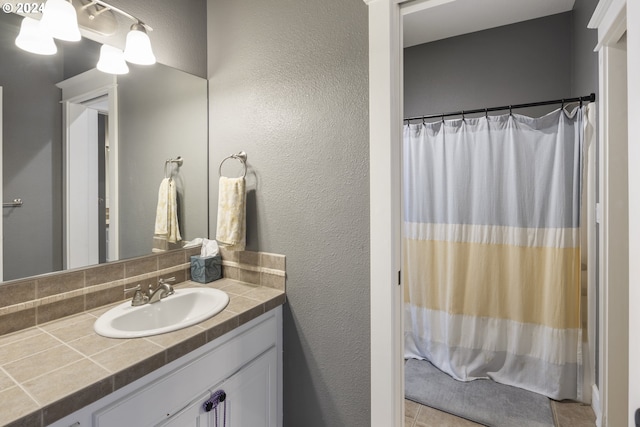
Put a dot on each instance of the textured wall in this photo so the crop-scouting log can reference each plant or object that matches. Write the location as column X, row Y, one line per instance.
column 288, row 84
column 525, row 62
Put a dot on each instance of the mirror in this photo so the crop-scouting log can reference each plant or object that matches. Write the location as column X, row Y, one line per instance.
column 162, row 114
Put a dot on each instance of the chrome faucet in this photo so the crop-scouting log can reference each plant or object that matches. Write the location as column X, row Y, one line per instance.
column 163, row 290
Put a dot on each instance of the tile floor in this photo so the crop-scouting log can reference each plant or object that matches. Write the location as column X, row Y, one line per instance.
column 566, row 414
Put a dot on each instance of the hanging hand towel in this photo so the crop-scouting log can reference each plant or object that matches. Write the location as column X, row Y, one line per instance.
column 231, row 230
column 167, row 227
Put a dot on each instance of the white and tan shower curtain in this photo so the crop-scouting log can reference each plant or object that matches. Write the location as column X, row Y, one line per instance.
column 492, row 249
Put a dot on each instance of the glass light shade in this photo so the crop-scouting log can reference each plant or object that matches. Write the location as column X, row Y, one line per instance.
column 60, row 20
column 138, row 47
column 34, row 39
column 112, row 61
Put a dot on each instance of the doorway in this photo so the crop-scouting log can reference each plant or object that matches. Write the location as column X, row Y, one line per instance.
column 91, row 222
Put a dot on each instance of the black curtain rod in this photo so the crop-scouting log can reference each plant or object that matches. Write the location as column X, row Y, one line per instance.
column 581, row 99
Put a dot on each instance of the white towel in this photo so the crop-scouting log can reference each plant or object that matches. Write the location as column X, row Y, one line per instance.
column 167, row 212
column 231, row 229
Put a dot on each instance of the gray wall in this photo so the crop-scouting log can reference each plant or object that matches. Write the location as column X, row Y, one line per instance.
column 524, row 62
column 31, row 153
column 163, row 114
column 584, row 59
column 288, row 84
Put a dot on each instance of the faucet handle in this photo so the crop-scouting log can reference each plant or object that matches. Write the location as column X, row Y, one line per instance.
column 170, row 279
column 139, row 298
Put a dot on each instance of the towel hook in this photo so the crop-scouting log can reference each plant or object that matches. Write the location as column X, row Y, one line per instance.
column 241, row 157
column 178, row 161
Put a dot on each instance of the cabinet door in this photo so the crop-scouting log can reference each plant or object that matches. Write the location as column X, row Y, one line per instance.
column 252, row 394
column 250, row 402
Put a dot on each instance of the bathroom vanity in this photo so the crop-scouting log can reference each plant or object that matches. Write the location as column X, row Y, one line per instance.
column 245, row 363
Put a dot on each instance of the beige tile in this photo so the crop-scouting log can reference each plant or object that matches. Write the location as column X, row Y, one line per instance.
column 5, row 381
column 192, row 251
column 33, row 419
column 272, row 281
column 262, row 293
column 231, row 272
column 408, row 422
column 411, row 408
column 41, row 363
column 59, row 309
column 228, row 255
column 233, row 287
column 429, row 417
column 19, row 336
column 104, row 273
column 97, row 312
column 171, row 338
column 171, row 259
column 249, row 276
column 64, row 323
column 104, row 297
column 188, row 345
column 240, row 304
column 141, row 266
column 275, row 302
column 179, row 276
column 69, row 379
column 220, row 324
column 94, row 343
column 130, row 352
column 15, row 404
column 59, row 283
column 14, row 293
column 573, row 414
column 272, row 261
column 18, row 349
column 72, row 331
column 138, row 370
column 249, row 257
column 17, row 321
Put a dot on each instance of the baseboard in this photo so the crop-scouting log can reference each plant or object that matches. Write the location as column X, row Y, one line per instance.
column 596, row 405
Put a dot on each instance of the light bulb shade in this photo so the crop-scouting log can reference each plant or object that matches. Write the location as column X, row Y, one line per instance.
column 138, row 47
column 34, row 39
column 111, row 60
column 60, row 20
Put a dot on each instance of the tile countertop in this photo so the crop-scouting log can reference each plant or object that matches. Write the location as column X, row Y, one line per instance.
column 54, row 369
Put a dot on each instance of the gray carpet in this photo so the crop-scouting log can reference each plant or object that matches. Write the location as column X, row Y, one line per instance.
column 482, row 401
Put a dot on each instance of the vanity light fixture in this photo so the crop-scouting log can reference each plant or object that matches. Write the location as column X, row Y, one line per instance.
column 34, row 39
column 138, row 47
column 112, row 60
column 60, row 20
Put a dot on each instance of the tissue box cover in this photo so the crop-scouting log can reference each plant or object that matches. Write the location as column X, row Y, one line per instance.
column 206, row 269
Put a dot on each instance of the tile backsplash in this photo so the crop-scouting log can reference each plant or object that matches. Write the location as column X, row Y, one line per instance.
column 40, row 299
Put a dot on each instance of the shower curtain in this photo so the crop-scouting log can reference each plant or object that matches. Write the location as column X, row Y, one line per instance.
column 492, row 249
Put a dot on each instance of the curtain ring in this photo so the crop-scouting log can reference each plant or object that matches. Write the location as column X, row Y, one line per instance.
column 510, row 111
column 562, row 107
column 423, row 122
column 462, row 115
column 580, row 102
column 486, row 113
column 442, row 117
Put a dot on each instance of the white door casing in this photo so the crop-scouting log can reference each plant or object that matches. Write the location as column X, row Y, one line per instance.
column 77, row 90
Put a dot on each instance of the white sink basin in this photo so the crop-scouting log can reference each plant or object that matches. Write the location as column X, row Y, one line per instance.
column 184, row 308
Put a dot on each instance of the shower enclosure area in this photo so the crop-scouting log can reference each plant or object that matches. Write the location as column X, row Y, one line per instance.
column 553, row 258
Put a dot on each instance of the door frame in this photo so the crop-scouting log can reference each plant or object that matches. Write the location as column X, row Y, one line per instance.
column 78, row 90
column 385, row 133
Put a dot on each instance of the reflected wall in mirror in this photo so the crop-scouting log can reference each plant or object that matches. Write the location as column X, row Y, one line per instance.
column 162, row 114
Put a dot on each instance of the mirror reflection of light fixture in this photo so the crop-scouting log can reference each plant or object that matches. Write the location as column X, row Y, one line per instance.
column 59, row 18
column 112, row 60
column 33, row 38
column 138, row 47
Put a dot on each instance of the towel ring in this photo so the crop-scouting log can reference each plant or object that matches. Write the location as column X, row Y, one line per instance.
column 178, row 161
column 241, row 157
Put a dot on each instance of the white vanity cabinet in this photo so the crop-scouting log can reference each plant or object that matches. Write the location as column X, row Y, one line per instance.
column 245, row 363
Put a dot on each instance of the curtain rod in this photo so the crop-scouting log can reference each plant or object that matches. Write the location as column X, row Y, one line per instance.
column 581, row 99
